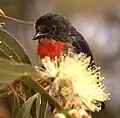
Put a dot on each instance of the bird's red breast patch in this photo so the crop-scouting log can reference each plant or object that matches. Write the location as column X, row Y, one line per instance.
column 50, row 48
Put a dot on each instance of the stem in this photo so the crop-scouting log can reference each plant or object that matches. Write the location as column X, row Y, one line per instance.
column 2, row 23
column 17, row 20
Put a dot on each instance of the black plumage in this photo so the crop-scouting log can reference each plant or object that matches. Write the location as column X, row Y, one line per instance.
column 56, row 27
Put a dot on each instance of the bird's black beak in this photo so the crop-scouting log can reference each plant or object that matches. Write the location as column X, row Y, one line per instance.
column 39, row 35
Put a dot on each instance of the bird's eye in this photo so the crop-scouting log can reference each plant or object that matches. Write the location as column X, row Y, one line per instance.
column 38, row 28
column 53, row 28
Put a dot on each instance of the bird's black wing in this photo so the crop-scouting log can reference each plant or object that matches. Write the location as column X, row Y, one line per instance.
column 79, row 43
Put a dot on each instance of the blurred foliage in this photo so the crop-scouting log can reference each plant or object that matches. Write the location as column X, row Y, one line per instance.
column 12, row 48
column 18, row 76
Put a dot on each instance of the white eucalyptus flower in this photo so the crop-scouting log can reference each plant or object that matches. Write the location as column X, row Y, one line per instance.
column 74, row 84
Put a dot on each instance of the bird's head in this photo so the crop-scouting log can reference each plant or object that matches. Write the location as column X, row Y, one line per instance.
column 52, row 26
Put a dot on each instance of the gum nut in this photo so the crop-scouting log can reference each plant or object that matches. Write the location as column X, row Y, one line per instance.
column 59, row 115
column 84, row 114
column 74, row 113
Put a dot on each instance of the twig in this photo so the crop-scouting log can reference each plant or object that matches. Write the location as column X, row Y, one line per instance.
column 17, row 20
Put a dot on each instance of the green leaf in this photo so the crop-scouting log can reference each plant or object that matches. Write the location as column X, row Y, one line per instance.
column 35, row 86
column 43, row 107
column 26, row 107
column 10, row 72
column 10, row 46
column 4, row 55
column 5, row 94
column 38, row 102
column 17, row 102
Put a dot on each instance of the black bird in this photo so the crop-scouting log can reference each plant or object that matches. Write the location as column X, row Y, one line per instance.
column 56, row 28
column 55, row 34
